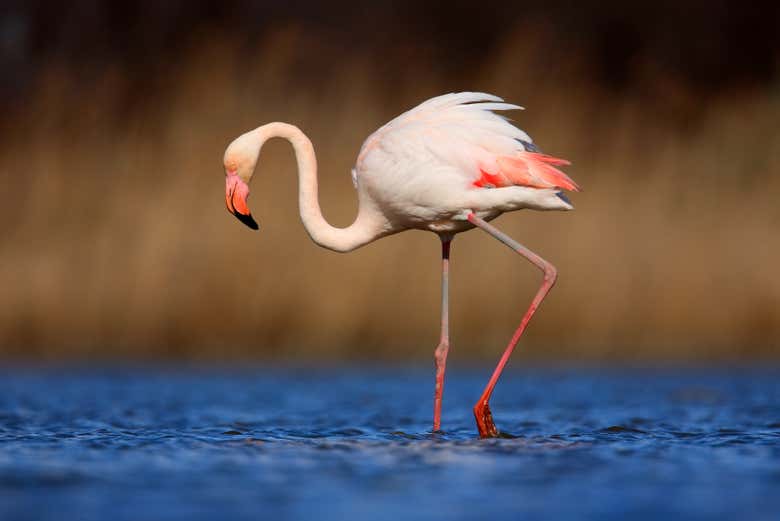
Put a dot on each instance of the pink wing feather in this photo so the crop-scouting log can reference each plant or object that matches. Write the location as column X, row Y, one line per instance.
column 528, row 169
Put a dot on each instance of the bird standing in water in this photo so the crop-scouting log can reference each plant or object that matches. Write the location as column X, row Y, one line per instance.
column 448, row 165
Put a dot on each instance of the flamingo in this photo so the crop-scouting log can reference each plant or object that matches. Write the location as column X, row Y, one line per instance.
column 449, row 165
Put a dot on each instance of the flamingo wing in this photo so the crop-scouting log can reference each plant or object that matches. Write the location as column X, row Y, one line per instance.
column 462, row 131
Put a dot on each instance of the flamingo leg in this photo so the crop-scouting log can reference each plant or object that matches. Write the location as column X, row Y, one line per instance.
column 440, row 355
column 485, row 424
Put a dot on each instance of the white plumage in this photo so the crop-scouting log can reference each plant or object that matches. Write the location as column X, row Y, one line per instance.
column 421, row 166
column 457, row 129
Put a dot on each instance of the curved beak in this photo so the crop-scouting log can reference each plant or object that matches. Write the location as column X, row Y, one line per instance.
column 236, row 193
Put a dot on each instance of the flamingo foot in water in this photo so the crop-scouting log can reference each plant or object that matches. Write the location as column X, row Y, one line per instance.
column 485, row 424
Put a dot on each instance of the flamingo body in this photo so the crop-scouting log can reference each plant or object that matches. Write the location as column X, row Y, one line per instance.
column 448, row 165
column 451, row 153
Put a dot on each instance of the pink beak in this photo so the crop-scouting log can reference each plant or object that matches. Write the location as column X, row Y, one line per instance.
column 236, row 193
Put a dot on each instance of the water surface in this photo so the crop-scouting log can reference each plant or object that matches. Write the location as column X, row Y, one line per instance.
column 356, row 444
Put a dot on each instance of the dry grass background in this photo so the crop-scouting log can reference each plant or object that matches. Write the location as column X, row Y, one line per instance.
column 116, row 242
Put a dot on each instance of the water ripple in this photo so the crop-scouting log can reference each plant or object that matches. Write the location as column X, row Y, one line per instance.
column 355, row 444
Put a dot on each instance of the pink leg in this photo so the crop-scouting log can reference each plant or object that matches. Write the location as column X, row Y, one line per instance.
column 440, row 355
column 487, row 429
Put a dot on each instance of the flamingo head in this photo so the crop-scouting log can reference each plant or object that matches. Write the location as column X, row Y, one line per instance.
column 239, row 162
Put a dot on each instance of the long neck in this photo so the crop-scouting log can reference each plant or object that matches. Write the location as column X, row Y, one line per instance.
column 369, row 224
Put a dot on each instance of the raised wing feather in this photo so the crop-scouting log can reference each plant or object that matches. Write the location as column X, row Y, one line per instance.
column 461, row 131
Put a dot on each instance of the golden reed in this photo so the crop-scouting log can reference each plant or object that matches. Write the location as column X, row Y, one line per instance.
column 116, row 242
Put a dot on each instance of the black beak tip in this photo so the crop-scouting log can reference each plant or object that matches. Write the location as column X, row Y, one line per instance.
column 248, row 220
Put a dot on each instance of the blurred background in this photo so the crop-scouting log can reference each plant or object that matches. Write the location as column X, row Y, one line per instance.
column 116, row 243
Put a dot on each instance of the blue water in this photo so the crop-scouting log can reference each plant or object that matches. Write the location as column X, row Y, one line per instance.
column 355, row 444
